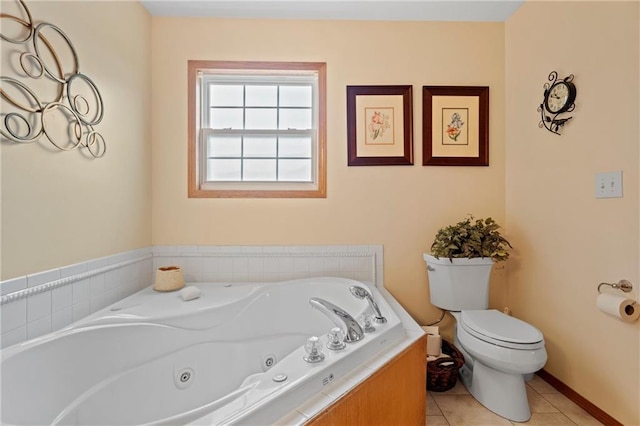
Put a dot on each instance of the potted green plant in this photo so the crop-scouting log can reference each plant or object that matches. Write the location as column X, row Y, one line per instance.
column 460, row 262
column 470, row 239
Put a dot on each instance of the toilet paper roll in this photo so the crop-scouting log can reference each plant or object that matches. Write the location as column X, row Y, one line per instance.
column 434, row 345
column 431, row 329
column 619, row 306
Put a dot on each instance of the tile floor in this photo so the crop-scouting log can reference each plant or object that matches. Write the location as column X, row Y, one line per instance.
column 457, row 407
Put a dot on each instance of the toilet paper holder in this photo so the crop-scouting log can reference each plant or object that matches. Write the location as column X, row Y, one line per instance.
column 623, row 285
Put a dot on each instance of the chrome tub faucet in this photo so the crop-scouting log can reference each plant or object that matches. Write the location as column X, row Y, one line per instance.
column 350, row 327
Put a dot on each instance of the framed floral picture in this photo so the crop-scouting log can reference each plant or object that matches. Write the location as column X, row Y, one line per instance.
column 379, row 125
column 455, row 125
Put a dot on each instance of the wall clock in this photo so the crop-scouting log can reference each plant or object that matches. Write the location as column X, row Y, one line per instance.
column 558, row 98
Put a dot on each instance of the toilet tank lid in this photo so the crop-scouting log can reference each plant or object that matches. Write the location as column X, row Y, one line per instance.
column 496, row 325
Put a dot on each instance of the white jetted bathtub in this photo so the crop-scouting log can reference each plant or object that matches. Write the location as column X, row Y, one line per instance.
column 232, row 356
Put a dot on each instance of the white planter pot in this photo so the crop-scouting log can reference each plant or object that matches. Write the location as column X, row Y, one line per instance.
column 459, row 284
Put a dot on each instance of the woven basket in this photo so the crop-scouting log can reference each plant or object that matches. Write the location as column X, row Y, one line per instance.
column 168, row 278
column 442, row 373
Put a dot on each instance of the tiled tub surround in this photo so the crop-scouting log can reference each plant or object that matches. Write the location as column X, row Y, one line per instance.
column 37, row 304
column 272, row 263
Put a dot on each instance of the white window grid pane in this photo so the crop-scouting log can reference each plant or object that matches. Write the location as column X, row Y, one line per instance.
column 229, row 95
column 224, row 146
column 268, row 163
column 294, row 170
column 259, row 170
column 260, row 146
column 296, row 96
column 261, row 118
column 225, row 170
column 261, row 96
column 295, row 146
column 292, row 109
column 295, row 118
column 227, row 118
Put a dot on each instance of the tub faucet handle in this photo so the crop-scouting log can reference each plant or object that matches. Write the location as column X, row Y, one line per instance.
column 336, row 339
column 314, row 350
column 365, row 321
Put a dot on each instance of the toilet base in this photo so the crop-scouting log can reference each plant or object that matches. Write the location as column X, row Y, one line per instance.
column 504, row 394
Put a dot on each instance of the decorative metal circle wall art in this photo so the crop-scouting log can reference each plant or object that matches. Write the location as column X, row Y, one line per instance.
column 66, row 120
column 559, row 98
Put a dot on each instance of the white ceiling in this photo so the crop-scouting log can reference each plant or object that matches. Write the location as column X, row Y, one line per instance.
column 388, row 10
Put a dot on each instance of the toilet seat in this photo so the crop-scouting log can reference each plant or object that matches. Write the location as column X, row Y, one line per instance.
column 494, row 327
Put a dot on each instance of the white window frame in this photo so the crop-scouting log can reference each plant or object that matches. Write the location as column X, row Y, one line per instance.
column 203, row 72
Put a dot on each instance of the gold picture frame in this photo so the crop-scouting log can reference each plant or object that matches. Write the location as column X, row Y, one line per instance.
column 455, row 125
column 380, row 125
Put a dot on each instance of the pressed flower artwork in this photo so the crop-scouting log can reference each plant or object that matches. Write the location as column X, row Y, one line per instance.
column 454, row 125
column 379, row 125
column 379, row 122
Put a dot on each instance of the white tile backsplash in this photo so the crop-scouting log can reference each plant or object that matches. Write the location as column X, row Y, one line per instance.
column 75, row 291
column 272, row 263
column 13, row 337
column 40, row 278
column 61, row 319
column 39, row 303
column 62, row 298
column 13, row 315
column 81, row 290
column 240, row 265
column 39, row 327
column 71, row 270
column 285, row 264
column 301, row 265
column 81, row 310
column 210, row 265
column 38, row 306
column 96, row 285
column 12, row 285
column 97, row 302
column 225, row 265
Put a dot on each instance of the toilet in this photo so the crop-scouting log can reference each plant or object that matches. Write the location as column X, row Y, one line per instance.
column 499, row 350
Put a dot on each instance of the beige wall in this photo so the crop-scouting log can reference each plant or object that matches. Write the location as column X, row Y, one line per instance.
column 60, row 208
column 567, row 241
column 400, row 207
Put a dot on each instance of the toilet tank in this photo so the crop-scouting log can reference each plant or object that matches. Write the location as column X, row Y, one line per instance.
column 459, row 284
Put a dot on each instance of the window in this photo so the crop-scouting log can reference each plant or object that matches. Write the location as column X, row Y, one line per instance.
column 256, row 129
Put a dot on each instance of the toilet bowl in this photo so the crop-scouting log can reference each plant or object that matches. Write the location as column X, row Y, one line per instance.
column 499, row 350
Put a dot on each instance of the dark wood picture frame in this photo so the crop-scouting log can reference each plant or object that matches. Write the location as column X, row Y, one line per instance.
column 477, row 126
column 356, row 125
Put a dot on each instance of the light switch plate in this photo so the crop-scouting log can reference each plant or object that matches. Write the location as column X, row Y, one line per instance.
column 609, row 185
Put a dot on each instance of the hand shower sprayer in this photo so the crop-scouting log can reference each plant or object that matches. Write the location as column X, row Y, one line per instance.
column 361, row 293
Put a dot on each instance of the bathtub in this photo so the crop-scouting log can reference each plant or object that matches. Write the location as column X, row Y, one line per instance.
column 232, row 356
